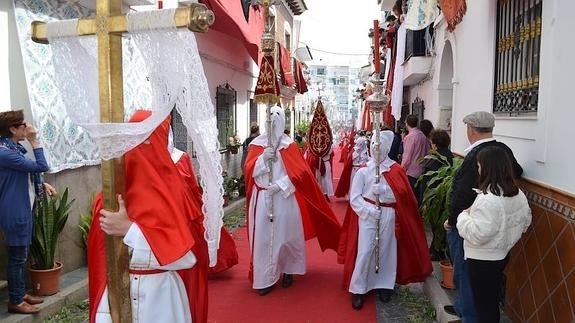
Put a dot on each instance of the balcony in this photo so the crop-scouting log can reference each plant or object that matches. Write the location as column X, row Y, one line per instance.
column 418, row 61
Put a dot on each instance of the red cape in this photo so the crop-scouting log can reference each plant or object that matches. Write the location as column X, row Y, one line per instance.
column 152, row 187
column 344, row 182
column 227, row 252
column 317, row 217
column 413, row 262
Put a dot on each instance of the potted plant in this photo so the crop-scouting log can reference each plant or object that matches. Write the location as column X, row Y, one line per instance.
column 231, row 187
column 435, row 205
column 234, row 143
column 86, row 221
column 51, row 214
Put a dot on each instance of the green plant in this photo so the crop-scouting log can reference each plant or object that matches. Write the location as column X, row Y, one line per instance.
column 86, row 220
column 435, row 204
column 302, row 127
column 231, row 184
column 51, row 216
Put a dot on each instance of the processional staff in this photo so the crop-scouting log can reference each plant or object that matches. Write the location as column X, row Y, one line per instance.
column 108, row 26
column 377, row 103
column 267, row 87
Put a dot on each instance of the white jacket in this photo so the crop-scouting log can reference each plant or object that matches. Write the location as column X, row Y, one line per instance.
column 492, row 225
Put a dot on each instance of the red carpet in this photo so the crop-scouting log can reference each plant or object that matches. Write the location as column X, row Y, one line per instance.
column 316, row 296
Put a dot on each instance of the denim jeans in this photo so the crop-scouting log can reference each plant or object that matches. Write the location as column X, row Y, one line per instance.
column 463, row 304
column 17, row 256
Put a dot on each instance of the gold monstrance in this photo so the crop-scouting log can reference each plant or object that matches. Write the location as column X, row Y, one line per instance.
column 108, row 26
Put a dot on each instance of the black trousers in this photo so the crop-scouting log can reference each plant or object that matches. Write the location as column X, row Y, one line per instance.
column 486, row 278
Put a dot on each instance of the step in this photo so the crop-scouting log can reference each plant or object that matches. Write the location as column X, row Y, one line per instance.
column 73, row 289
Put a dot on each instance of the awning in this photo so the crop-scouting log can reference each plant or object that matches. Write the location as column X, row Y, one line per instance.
column 231, row 21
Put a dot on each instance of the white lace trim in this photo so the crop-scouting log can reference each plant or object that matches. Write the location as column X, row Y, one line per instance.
column 175, row 77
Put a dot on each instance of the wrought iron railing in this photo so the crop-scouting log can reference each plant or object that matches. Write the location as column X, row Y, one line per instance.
column 418, row 42
column 517, row 56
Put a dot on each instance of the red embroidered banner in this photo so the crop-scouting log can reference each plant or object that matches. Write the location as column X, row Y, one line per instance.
column 453, row 11
column 267, row 89
column 300, row 80
column 285, row 67
column 320, row 138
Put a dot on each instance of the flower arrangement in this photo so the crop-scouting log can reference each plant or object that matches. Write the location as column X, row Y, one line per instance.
column 234, row 141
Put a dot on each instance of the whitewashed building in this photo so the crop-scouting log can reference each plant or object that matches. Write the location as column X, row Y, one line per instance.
column 513, row 58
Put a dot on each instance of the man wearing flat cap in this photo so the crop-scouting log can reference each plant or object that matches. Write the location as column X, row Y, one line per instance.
column 480, row 126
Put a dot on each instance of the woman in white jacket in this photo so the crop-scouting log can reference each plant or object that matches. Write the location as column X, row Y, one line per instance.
column 491, row 227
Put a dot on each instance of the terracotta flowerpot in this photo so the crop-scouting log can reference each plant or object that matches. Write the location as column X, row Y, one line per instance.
column 447, row 274
column 226, row 200
column 46, row 282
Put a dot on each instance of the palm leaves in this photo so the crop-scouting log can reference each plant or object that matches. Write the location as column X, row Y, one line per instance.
column 51, row 216
column 435, row 204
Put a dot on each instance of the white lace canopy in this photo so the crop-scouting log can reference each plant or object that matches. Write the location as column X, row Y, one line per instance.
column 174, row 76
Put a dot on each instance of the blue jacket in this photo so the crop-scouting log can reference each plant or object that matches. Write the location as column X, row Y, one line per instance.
column 15, row 209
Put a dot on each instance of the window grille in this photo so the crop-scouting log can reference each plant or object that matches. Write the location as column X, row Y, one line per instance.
column 225, row 113
column 517, row 56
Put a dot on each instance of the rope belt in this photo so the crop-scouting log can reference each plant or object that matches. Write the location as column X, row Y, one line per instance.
column 391, row 205
column 146, row 271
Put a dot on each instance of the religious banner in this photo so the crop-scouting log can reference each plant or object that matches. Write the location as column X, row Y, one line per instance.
column 300, row 79
column 320, row 138
column 453, row 11
column 285, row 67
column 267, row 89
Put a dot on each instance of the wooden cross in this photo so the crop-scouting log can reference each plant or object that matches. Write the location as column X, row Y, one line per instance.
column 108, row 26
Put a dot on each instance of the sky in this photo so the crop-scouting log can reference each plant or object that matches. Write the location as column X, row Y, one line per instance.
column 338, row 26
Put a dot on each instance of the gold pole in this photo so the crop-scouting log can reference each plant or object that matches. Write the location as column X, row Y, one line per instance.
column 110, row 83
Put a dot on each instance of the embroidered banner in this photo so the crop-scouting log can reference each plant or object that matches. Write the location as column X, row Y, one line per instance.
column 453, row 11
column 267, row 89
column 320, row 138
column 285, row 67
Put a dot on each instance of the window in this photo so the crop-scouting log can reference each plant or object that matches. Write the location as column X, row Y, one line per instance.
column 225, row 113
column 179, row 131
column 517, row 56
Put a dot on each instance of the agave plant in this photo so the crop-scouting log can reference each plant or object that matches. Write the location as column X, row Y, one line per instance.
column 86, row 221
column 51, row 216
column 435, row 204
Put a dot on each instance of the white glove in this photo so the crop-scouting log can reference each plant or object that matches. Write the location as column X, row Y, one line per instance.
column 274, row 188
column 268, row 154
column 374, row 213
column 379, row 189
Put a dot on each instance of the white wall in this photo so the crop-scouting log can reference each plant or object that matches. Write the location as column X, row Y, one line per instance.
column 542, row 144
column 225, row 59
column 13, row 91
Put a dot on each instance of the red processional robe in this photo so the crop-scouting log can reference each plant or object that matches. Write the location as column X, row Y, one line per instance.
column 413, row 262
column 317, row 217
column 158, row 200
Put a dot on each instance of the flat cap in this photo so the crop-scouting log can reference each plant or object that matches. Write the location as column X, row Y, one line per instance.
column 480, row 119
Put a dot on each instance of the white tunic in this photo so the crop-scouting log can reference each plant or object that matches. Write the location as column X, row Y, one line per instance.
column 364, row 277
column 325, row 181
column 277, row 247
column 155, row 298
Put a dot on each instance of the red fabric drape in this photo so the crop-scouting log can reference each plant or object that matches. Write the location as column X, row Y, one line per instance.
column 230, row 20
column 453, row 11
column 287, row 76
column 301, row 84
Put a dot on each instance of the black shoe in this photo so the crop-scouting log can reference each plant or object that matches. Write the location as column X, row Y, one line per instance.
column 327, row 198
column 357, row 301
column 287, row 280
column 265, row 291
column 384, row 295
column 449, row 309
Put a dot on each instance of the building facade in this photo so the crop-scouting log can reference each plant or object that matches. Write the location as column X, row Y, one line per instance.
column 509, row 57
